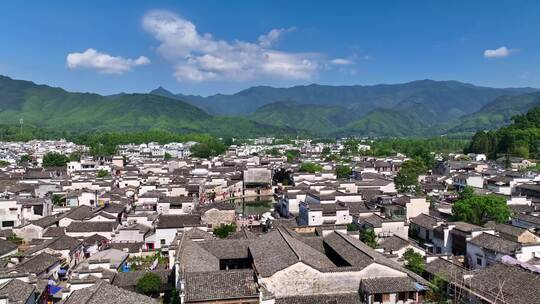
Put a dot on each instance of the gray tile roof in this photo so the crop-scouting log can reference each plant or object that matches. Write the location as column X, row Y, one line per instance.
column 355, row 244
column 193, row 257
column 80, row 213
column 6, row 247
column 62, row 242
column 105, row 226
column 37, row 264
column 510, row 230
column 535, row 220
column 17, row 291
column 347, row 298
column 278, row 250
column 178, row 221
column 47, row 221
column 495, row 243
column 227, row 249
column 94, row 239
column 114, row 208
column 394, row 243
column 444, row 268
column 220, row 285
column 425, row 221
column 518, row 285
column 132, row 247
column 198, row 234
column 52, row 232
column 103, row 292
column 344, row 248
column 129, row 280
column 387, row 285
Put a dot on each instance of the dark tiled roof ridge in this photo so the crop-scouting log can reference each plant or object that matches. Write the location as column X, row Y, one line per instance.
column 289, row 244
column 379, row 258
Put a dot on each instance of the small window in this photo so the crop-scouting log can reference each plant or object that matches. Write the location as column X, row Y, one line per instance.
column 385, row 297
column 162, row 241
column 479, row 261
column 378, row 297
column 402, row 296
column 8, row 223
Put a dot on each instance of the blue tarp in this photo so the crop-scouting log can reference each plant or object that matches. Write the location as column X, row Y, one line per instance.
column 420, row 287
column 54, row 289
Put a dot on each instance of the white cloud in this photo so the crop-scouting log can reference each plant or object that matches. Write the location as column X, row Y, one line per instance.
column 342, row 61
column 273, row 37
column 501, row 52
column 200, row 57
column 103, row 63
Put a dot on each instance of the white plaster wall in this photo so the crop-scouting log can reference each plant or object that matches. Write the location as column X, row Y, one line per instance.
column 301, row 279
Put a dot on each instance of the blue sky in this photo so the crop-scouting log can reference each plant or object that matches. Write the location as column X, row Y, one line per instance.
column 206, row 47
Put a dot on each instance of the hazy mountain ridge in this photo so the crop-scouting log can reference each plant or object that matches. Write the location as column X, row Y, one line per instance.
column 422, row 107
column 55, row 108
column 417, row 108
column 497, row 113
column 467, row 98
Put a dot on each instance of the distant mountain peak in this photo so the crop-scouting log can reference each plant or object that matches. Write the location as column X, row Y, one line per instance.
column 161, row 91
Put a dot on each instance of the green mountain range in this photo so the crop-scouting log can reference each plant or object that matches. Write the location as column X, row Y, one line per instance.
column 417, row 108
column 316, row 119
column 54, row 108
column 496, row 113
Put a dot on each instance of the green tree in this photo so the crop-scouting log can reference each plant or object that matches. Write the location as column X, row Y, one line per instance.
column 75, row 156
column 25, row 158
column 466, row 192
column 208, row 148
column 352, row 227
column 292, row 155
column 223, row 231
column 175, row 297
column 351, row 146
column 149, row 284
column 228, row 141
column 58, row 200
column 326, row 151
column 273, row 152
column 414, row 261
column 331, row 158
column 343, row 171
column 407, row 178
column 54, row 159
column 167, row 156
column 102, row 173
column 368, row 236
column 310, row 167
column 15, row 239
column 4, row 163
column 437, row 290
column 479, row 210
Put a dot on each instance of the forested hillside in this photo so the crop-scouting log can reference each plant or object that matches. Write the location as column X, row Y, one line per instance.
column 521, row 138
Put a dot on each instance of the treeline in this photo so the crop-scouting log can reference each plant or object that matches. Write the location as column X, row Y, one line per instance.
column 105, row 143
column 16, row 133
column 520, row 139
column 417, row 146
